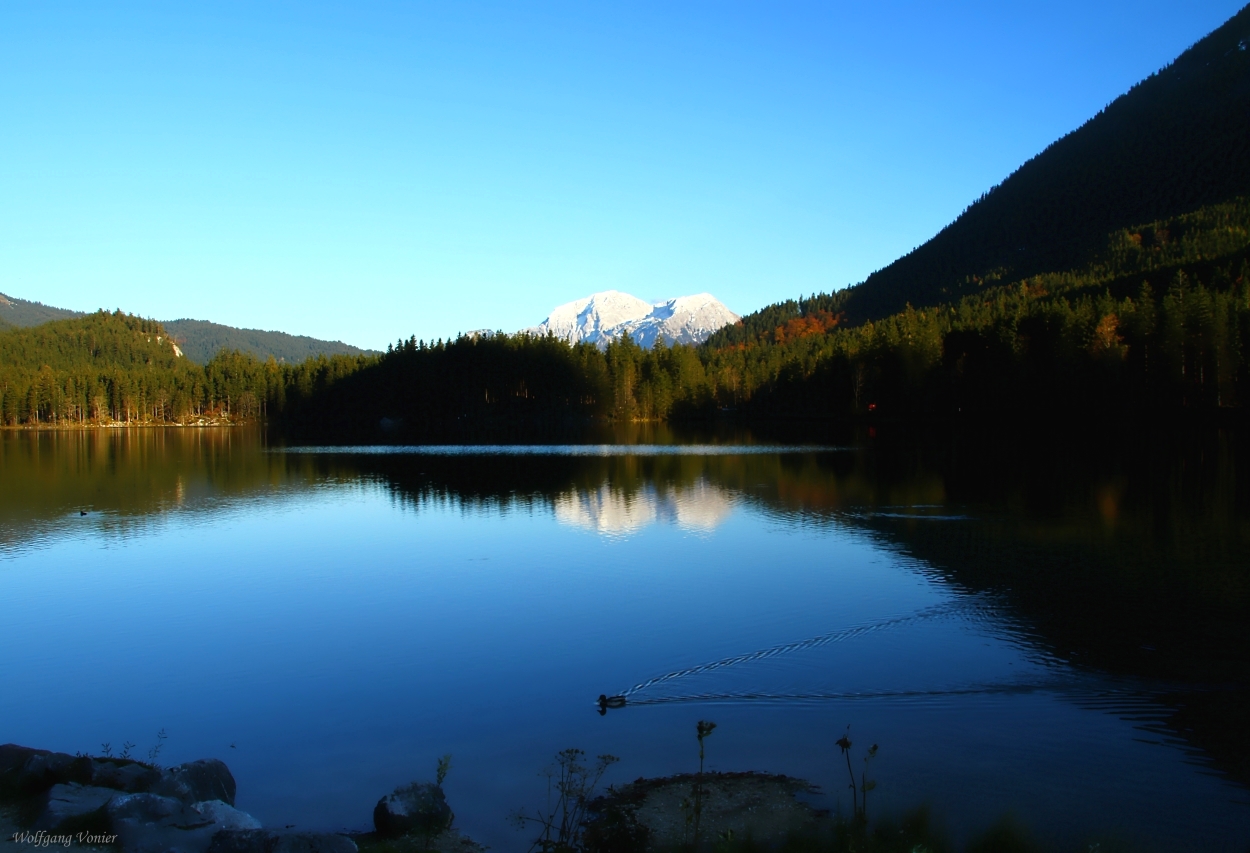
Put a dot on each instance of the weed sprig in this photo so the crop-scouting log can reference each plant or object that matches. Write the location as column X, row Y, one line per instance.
column 570, row 786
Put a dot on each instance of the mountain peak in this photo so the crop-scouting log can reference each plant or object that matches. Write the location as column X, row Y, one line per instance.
column 610, row 314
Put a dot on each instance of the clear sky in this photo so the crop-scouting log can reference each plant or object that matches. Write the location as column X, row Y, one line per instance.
column 367, row 171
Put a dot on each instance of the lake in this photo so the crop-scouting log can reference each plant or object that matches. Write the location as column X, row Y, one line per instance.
column 1048, row 625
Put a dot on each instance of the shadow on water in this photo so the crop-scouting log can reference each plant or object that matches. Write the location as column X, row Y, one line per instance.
column 1122, row 556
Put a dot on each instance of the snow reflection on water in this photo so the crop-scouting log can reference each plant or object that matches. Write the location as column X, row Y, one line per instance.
column 698, row 508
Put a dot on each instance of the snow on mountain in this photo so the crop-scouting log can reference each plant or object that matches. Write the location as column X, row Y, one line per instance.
column 604, row 317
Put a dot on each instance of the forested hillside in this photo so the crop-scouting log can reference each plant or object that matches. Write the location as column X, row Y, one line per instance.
column 201, row 340
column 1177, row 142
column 1160, row 326
column 1160, row 320
column 116, row 368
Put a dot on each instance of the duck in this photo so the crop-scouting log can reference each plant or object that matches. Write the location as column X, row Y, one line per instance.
column 606, row 702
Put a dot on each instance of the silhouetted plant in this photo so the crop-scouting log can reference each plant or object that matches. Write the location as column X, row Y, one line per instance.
column 693, row 809
column 570, row 786
column 859, row 793
column 155, row 752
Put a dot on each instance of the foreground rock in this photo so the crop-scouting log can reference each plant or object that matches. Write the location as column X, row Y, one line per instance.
column 74, row 804
column 206, row 779
column 420, row 807
column 131, row 777
column 648, row 814
column 55, row 799
column 26, row 772
column 150, row 823
column 137, row 808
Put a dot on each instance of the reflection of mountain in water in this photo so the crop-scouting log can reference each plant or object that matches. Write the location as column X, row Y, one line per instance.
column 1123, row 555
column 698, row 507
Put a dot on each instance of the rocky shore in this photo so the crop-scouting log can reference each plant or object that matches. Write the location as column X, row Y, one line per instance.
column 52, row 799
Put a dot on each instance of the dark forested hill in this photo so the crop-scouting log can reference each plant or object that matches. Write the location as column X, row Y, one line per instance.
column 1176, row 142
column 201, row 340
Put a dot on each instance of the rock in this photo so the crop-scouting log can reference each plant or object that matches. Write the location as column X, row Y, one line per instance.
column 12, row 759
column 653, row 813
column 70, row 801
column 40, row 771
column 150, row 823
column 129, row 776
column 271, row 841
column 225, row 816
column 12, row 756
column 26, row 772
column 206, row 779
column 421, row 807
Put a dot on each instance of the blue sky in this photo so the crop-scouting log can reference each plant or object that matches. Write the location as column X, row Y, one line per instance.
column 367, row 171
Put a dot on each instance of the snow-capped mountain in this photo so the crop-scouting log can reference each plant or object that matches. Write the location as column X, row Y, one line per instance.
column 605, row 317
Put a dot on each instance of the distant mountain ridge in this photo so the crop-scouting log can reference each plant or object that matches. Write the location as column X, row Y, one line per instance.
column 21, row 313
column 610, row 315
column 201, row 340
column 198, row 340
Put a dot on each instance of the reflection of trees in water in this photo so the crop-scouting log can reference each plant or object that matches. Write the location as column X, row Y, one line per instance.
column 1122, row 555
column 1127, row 555
column 125, row 478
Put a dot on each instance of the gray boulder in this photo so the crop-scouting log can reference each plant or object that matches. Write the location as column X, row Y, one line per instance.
column 73, row 802
column 419, row 807
column 272, row 841
column 150, row 823
column 196, row 781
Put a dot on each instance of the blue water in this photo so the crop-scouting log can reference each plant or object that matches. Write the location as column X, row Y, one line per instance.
column 330, row 635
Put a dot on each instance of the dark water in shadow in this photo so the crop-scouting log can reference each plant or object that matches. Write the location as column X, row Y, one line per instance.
column 1052, row 624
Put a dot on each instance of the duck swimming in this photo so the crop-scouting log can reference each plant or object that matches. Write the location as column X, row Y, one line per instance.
column 606, row 702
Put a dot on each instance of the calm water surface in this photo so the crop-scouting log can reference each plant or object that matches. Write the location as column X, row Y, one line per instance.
column 1056, row 633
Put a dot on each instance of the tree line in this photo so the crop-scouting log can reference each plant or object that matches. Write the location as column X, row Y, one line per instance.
column 1159, row 320
column 115, row 368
